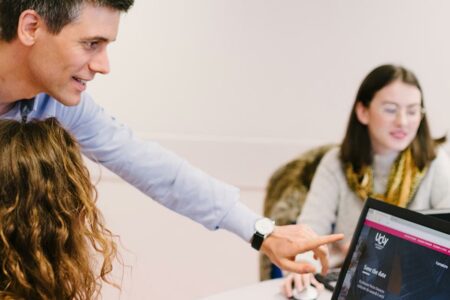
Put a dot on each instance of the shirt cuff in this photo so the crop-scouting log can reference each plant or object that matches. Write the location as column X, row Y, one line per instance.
column 241, row 221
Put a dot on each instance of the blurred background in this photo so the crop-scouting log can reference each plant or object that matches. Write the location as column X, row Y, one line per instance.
column 238, row 88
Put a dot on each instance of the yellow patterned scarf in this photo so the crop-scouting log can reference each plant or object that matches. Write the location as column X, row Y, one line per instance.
column 404, row 178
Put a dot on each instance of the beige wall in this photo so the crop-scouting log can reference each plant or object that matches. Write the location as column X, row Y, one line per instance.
column 238, row 87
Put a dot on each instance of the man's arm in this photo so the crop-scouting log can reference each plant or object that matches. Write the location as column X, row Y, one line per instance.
column 176, row 184
column 157, row 172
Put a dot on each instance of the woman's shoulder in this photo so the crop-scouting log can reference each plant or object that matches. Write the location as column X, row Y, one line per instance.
column 331, row 159
column 441, row 160
column 441, row 152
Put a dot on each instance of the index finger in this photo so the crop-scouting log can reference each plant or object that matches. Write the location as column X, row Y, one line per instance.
column 320, row 240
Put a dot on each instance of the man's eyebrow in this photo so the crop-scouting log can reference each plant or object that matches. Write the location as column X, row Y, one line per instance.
column 98, row 38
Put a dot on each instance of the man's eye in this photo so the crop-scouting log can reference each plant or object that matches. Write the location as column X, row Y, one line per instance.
column 91, row 45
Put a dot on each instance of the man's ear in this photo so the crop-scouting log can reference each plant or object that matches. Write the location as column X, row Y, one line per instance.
column 30, row 22
column 362, row 113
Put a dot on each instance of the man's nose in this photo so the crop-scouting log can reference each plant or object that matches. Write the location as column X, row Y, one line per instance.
column 100, row 63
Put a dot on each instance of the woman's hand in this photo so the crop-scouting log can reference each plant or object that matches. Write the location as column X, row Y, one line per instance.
column 299, row 281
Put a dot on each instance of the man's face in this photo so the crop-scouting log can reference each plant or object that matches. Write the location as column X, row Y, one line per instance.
column 62, row 64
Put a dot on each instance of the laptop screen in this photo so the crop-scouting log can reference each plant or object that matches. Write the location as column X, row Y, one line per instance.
column 396, row 254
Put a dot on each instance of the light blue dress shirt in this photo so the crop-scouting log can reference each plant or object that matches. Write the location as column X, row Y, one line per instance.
column 155, row 171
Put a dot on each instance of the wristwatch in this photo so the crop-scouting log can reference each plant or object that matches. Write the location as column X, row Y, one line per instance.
column 263, row 228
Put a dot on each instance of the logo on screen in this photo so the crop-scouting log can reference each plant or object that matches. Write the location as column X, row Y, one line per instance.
column 380, row 241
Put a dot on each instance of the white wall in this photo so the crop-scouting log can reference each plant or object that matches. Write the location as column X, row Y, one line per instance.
column 238, row 87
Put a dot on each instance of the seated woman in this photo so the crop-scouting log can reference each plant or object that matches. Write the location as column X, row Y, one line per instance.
column 387, row 153
column 50, row 228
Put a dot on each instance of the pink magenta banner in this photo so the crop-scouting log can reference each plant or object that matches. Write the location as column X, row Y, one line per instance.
column 408, row 237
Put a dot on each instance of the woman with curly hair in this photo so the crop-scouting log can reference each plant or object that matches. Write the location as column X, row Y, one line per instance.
column 50, row 227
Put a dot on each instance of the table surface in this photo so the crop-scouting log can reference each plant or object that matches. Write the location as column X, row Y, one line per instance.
column 265, row 290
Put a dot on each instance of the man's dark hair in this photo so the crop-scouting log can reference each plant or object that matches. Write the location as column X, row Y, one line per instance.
column 56, row 13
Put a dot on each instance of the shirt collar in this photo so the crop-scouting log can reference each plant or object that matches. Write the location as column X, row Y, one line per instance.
column 26, row 106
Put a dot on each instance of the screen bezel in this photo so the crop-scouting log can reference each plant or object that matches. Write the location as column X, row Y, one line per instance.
column 443, row 214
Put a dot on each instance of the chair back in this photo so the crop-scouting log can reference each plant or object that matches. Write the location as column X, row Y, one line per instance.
column 285, row 195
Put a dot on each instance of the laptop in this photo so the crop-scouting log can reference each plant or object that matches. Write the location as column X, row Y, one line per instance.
column 396, row 254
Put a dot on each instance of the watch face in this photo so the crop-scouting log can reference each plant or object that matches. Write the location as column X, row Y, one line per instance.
column 264, row 226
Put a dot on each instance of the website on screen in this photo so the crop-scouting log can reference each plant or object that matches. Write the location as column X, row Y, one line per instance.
column 397, row 259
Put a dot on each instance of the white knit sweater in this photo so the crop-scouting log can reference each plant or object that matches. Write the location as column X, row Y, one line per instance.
column 331, row 201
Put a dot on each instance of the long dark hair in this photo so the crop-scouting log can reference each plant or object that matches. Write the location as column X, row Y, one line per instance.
column 356, row 148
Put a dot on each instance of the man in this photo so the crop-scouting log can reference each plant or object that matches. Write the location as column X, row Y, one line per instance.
column 50, row 50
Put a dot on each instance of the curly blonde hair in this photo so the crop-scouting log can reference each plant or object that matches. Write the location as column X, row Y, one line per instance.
column 50, row 227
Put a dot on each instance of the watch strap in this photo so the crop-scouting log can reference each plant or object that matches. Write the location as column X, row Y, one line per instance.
column 257, row 240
